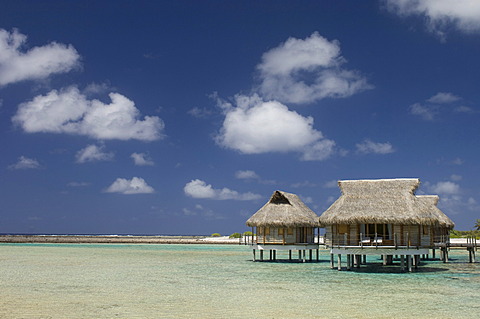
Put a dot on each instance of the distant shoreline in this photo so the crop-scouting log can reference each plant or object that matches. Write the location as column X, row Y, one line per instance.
column 118, row 239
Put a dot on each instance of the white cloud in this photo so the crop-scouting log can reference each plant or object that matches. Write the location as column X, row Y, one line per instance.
column 331, row 184
column 200, row 112
column 136, row 185
column 93, row 153
column 307, row 70
column 36, row 63
column 78, row 184
column 254, row 127
column 199, row 189
column 142, row 159
column 247, row 174
column 455, row 177
column 25, row 163
column 443, row 98
column 69, row 111
column 465, row 109
column 368, row 146
column 426, row 112
column 435, row 104
column 457, row 161
column 444, row 188
column 463, row 15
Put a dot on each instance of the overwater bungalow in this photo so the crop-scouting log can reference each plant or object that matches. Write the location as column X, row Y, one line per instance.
column 380, row 217
column 440, row 233
column 284, row 223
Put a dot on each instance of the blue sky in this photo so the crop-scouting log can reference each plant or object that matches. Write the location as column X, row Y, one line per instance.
column 183, row 117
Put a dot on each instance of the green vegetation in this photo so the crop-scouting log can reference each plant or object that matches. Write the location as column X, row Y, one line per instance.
column 215, row 235
column 477, row 225
column 464, row 233
column 235, row 235
column 247, row 233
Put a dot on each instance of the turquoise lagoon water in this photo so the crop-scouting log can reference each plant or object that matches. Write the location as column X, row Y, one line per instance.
column 221, row 281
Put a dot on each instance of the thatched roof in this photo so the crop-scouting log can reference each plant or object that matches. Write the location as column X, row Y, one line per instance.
column 432, row 201
column 284, row 210
column 382, row 201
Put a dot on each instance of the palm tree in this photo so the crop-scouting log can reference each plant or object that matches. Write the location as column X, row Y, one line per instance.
column 477, row 224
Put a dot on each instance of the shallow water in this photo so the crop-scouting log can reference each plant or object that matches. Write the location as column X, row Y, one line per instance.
column 217, row 281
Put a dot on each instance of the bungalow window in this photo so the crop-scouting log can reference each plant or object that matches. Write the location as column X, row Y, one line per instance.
column 260, row 230
column 267, row 230
column 382, row 230
column 280, row 232
column 425, row 229
column 290, row 231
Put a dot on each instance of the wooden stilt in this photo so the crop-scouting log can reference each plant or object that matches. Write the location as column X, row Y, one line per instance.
column 384, row 260
column 409, row 263
column 402, row 262
column 349, row 262
column 332, row 264
column 339, row 262
column 433, row 253
column 318, row 251
column 310, row 254
column 261, row 254
column 289, row 255
column 254, row 259
column 364, row 257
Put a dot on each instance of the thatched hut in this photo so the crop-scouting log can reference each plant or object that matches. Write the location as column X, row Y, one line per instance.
column 440, row 233
column 284, row 223
column 380, row 217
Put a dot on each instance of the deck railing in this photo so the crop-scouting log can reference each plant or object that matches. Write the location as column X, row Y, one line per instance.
column 396, row 240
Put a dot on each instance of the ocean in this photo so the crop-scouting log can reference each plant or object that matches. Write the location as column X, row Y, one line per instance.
column 222, row 281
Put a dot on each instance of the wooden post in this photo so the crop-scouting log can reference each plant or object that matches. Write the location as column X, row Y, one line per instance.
column 402, row 262
column 384, row 260
column 318, row 250
column 261, row 254
column 409, row 263
column 254, row 259
column 364, row 259
column 289, row 254
column 332, row 264
column 349, row 261
column 339, row 262
column 310, row 254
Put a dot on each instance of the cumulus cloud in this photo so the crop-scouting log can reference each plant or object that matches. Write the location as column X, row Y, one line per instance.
column 25, row 163
column 368, row 146
column 93, row 153
column 464, row 15
column 432, row 106
column 200, row 189
column 426, row 112
column 136, row 185
column 307, row 70
column 254, row 126
column 445, row 188
column 247, row 174
column 443, row 98
column 142, row 159
column 69, row 111
column 37, row 63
